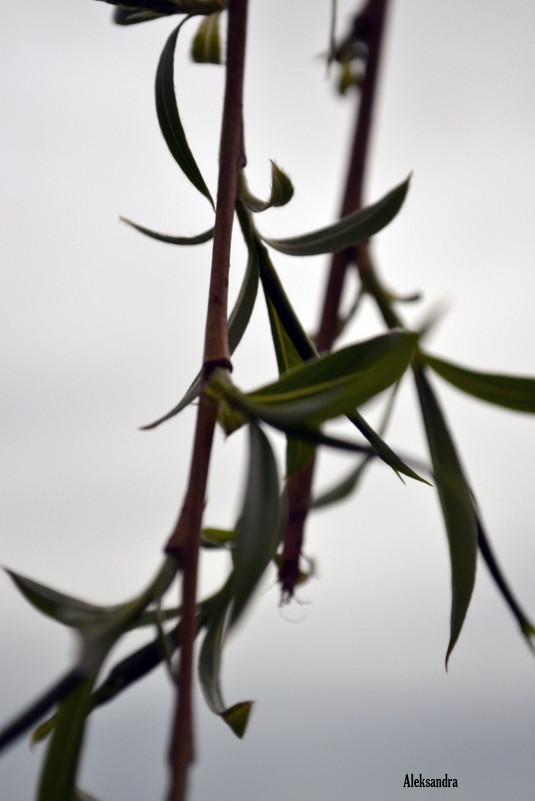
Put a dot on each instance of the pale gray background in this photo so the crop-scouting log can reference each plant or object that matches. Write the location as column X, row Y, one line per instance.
column 101, row 332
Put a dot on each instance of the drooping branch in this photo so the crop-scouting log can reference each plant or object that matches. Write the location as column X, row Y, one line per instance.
column 184, row 542
column 367, row 30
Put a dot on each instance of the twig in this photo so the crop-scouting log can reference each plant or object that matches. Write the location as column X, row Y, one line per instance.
column 368, row 28
column 184, row 542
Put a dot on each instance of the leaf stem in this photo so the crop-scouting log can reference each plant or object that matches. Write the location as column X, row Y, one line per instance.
column 185, row 539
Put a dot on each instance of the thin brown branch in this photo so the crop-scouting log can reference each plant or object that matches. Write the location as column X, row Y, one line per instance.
column 368, row 28
column 231, row 162
column 184, row 542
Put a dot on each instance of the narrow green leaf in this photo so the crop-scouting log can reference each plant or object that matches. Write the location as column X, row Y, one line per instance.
column 298, row 451
column 456, row 502
column 237, row 324
column 349, row 483
column 513, row 392
column 206, row 46
column 285, row 350
column 259, row 524
column 65, row 609
column 131, row 12
column 526, row 626
column 206, row 236
column 280, row 302
column 350, row 230
column 63, row 755
column 169, row 118
column 125, row 16
column 89, row 618
column 343, row 488
column 342, row 380
column 210, row 660
column 383, row 450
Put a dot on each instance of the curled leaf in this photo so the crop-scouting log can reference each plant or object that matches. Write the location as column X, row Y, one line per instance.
column 281, row 191
column 206, row 236
column 209, row 668
column 206, row 45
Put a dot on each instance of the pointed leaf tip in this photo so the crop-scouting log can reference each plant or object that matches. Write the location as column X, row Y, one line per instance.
column 457, row 506
column 347, row 232
column 237, row 717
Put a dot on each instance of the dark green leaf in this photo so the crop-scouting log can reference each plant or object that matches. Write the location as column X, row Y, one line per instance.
column 298, row 451
column 526, row 627
column 504, row 390
column 274, row 291
column 383, row 450
column 288, row 321
column 457, row 507
column 348, row 484
column 206, row 236
column 42, row 706
column 259, row 524
column 169, row 118
column 133, row 11
column 99, row 628
column 237, row 324
column 64, row 608
column 340, row 381
column 63, row 755
column 206, row 47
column 125, row 16
column 350, row 230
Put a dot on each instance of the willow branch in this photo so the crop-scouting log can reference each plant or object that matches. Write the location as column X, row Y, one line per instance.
column 184, row 542
column 368, row 29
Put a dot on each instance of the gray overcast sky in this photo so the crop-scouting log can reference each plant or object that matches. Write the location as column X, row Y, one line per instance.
column 101, row 332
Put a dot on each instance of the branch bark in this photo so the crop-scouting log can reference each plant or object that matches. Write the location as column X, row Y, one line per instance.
column 184, row 542
column 368, row 29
